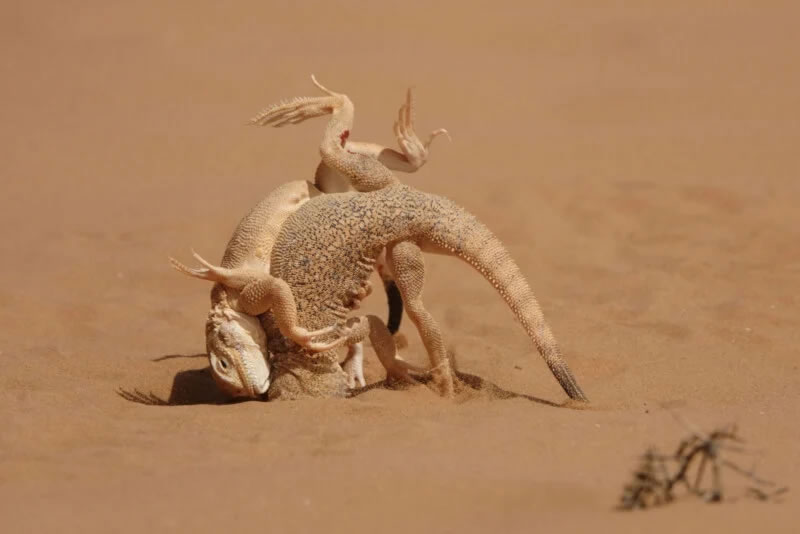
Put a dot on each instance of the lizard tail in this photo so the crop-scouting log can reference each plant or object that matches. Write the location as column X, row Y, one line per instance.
column 474, row 243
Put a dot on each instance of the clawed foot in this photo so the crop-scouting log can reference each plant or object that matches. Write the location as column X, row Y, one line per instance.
column 296, row 110
column 400, row 371
column 399, row 374
column 413, row 148
column 305, row 338
column 212, row 272
column 443, row 379
column 353, row 365
column 205, row 273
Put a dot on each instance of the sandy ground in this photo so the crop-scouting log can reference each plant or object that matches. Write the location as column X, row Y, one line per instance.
column 640, row 164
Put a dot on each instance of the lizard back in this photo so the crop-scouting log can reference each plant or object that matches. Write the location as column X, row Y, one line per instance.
column 328, row 247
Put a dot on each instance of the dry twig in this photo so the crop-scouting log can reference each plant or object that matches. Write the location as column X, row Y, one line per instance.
column 653, row 484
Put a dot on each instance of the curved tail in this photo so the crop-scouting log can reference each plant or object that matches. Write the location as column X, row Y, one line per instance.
column 470, row 240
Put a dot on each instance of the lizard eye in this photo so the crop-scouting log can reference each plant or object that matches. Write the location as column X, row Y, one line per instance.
column 221, row 365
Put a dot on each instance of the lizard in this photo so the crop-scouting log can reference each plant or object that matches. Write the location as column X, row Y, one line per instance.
column 326, row 250
column 235, row 340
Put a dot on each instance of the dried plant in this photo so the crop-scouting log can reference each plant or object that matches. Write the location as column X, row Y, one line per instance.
column 658, row 476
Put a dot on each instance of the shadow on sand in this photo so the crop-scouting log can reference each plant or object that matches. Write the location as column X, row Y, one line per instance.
column 196, row 386
column 192, row 386
column 467, row 386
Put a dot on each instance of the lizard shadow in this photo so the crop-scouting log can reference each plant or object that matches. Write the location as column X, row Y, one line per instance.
column 189, row 387
column 196, row 386
column 467, row 386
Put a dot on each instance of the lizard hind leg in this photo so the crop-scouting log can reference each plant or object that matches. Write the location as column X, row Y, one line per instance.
column 415, row 151
column 260, row 292
column 384, row 345
column 408, row 267
column 299, row 109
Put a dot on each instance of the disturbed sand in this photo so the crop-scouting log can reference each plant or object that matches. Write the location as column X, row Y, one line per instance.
column 640, row 164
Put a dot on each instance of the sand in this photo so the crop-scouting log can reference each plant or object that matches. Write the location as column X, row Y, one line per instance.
column 640, row 164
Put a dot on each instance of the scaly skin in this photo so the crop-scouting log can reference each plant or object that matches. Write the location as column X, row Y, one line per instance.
column 235, row 340
column 326, row 250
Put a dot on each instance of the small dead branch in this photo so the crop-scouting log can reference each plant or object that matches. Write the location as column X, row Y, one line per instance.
column 657, row 477
column 649, row 484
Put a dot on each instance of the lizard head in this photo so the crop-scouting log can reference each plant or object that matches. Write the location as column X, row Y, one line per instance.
column 237, row 352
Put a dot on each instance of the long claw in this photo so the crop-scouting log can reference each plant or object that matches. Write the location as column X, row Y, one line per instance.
column 402, row 139
column 304, row 337
column 321, row 332
column 409, row 109
column 200, row 259
column 178, row 266
column 402, row 119
column 296, row 110
column 317, row 346
column 322, row 87
column 398, row 134
column 435, row 134
column 207, row 272
column 322, row 347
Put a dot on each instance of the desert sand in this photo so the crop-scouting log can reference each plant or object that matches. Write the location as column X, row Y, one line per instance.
column 641, row 165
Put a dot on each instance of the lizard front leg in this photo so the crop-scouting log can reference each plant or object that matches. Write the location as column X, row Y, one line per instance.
column 413, row 151
column 271, row 293
column 260, row 292
column 412, row 156
column 299, row 109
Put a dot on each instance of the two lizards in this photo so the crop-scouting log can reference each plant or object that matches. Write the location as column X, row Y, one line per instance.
column 326, row 250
